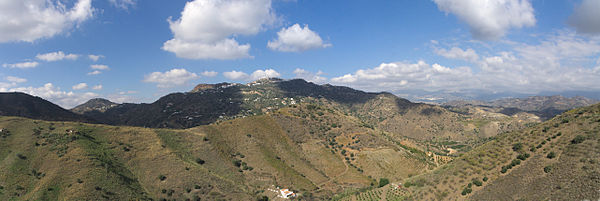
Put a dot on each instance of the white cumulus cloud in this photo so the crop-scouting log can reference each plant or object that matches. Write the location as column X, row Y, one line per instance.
column 122, row 4
column 310, row 76
column 206, row 28
column 29, row 20
column 404, row 75
column 97, row 87
column 56, row 56
column 260, row 74
column 236, row 75
column 296, row 39
column 99, row 67
column 559, row 62
column 80, row 86
column 27, row 64
column 586, row 17
column 96, row 72
column 458, row 53
column 94, row 57
column 15, row 79
column 490, row 19
column 209, row 73
column 171, row 78
column 256, row 75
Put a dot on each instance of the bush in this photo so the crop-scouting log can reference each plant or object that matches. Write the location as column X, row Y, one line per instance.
column 517, row 147
column 237, row 162
column 383, row 182
column 200, row 161
column 523, row 156
column 262, row 198
column 578, row 139
column 477, row 182
column 551, row 155
column 515, row 162
column 547, row 169
column 466, row 191
column 504, row 169
column 485, row 178
column 162, row 177
column 546, row 129
column 559, row 134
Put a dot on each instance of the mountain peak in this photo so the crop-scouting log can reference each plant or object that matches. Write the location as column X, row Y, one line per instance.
column 94, row 104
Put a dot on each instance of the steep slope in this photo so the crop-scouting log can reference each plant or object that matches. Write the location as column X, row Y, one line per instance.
column 96, row 104
column 555, row 160
column 310, row 148
column 25, row 105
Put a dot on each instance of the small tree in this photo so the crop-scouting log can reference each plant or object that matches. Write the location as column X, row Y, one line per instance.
column 383, row 182
column 578, row 139
column 477, row 182
column 551, row 155
column 517, row 147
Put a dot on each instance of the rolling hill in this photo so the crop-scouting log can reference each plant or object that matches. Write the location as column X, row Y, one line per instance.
column 25, row 105
column 557, row 159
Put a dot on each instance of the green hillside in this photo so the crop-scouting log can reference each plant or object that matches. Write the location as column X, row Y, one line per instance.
column 557, row 159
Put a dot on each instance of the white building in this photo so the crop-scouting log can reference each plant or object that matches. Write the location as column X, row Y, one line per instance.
column 286, row 193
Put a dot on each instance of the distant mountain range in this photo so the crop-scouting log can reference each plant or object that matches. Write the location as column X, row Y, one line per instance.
column 544, row 106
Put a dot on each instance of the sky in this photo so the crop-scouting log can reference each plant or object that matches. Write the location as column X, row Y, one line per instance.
column 69, row 51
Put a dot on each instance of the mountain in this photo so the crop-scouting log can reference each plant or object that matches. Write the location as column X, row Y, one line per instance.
column 544, row 106
column 313, row 149
column 210, row 103
column 554, row 160
column 232, row 141
column 25, row 105
column 96, row 104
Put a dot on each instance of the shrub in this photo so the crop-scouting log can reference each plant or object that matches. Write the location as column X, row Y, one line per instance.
column 517, row 147
column 200, row 161
column 504, row 169
column 559, row 134
column 523, row 156
column 532, row 149
column 383, row 182
column 477, row 182
column 551, row 155
column 546, row 129
column 485, row 178
column 237, row 162
column 162, row 177
column 466, row 191
column 515, row 162
column 547, row 169
column 262, row 198
column 578, row 139
column 21, row 156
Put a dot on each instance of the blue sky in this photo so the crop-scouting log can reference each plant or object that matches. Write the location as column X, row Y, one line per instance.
column 137, row 51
